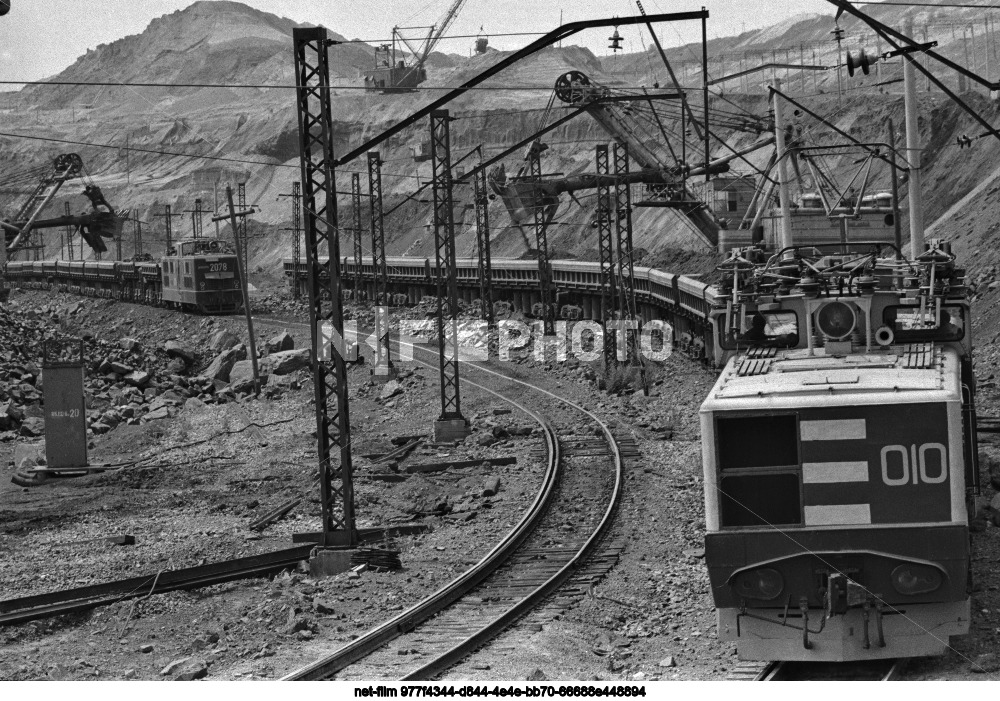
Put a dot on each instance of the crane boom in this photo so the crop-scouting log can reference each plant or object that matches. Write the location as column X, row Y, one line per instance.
column 440, row 29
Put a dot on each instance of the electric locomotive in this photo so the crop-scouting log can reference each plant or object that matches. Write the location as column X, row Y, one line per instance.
column 839, row 454
column 202, row 274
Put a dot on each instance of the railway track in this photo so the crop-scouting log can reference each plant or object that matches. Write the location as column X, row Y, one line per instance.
column 552, row 557
column 870, row 671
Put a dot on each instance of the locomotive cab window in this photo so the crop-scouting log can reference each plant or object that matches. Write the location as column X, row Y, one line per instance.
column 748, row 442
column 778, row 329
column 758, row 460
column 909, row 326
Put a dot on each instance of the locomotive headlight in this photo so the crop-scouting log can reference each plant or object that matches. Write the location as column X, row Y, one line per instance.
column 764, row 584
column 912, row 579
column 837, row 320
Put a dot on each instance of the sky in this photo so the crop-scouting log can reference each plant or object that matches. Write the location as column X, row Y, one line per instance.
column 39, row 38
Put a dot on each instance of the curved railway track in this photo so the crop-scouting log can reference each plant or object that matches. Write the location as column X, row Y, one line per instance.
column 551, row 551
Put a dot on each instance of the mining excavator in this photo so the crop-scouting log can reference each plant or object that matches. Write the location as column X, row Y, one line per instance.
column 94, row 226
column 658, row 165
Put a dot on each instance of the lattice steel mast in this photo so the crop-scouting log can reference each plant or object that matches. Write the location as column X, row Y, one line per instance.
column 312, row 78
column 451, row 420
column 483, row 246
column 383, row 369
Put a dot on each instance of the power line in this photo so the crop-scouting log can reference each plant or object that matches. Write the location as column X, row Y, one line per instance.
column 264, row 86
column 119, row 147
column 944, row 4
column 449, row 36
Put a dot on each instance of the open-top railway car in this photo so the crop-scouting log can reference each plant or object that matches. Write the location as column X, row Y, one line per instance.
column 200, row 275
column 839, row 455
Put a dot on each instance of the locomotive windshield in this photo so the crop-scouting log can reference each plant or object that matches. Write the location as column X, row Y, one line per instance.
column 909, row 325
column 778, row 329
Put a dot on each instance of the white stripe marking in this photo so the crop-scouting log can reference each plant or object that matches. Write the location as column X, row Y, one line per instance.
column 833, row 430
column 838, row 514
column 834, row 472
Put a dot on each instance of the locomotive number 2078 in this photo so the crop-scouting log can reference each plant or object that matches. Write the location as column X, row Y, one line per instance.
column 912, row 465
column 218, row 267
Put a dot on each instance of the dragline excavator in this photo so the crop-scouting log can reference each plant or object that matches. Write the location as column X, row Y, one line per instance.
column 659, row 165
column 93, row 226
column 392, row 73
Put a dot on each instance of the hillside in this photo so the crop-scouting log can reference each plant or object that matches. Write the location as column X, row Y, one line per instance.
column 157, row 146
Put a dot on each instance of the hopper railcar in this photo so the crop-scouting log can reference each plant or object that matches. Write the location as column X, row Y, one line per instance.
column 200, row 275
column 839, row 455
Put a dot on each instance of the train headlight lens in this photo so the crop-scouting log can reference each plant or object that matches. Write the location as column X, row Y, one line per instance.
column 764, row 584
column 836, row 320
column 912, row 579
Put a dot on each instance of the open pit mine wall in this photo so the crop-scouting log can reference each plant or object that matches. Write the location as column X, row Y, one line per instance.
column 950, row 173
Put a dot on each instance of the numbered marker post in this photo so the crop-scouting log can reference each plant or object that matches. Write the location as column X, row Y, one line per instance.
column 65, row 408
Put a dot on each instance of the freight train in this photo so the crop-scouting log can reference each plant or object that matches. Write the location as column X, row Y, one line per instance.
column 839, row 455
column 839, row 444
column 684, row 300
column 198, row 275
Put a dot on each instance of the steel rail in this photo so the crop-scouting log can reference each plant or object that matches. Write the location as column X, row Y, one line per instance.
column 441, row 599
column 30, row 608
column 488, row 632
column 451, row 592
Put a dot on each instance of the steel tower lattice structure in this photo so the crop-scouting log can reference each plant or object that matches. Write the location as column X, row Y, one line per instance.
column 483, row 246
column 296, row 234
column 606, row 247
column 542, row 242
column 447, row 280
column 383, row 362
column 356, row 205
column 312, row 79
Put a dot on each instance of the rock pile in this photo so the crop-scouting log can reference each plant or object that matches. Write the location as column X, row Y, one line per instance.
column 126, row 381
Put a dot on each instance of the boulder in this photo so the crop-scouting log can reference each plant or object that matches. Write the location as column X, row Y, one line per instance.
column 282, row 342
column 161, row 413
column 129, row 344
column 390, row 389
column 177, row 350
column 241, row 377
column 138, row 378
column 176, row 366
column 222, row 365
column 223, row 340
column 32, row 426
column 285, row 362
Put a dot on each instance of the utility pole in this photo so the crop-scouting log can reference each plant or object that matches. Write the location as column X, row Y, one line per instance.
column 838, row 35
column 136, row 234
column 383, row 370
column 897, row 225
column 704, row 88
column 196, row 222
column 169, row 220
column 451, row 425
column 118, row 243
column 913, row 151
column 779, row 140
column 296, row 230
column 241, row 189
column 234, row 217
column 69, row 234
